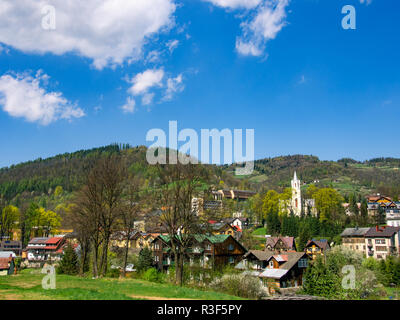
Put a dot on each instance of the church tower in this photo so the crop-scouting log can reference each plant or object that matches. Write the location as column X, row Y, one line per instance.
column 296, row 195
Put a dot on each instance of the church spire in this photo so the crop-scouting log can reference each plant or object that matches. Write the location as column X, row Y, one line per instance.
column 295, row 176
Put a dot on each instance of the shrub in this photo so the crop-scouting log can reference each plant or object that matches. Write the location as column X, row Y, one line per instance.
column 239, row 285
column 153, row 275
column 113, row 273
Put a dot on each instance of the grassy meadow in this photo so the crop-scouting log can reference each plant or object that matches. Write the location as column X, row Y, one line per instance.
column 27, row 286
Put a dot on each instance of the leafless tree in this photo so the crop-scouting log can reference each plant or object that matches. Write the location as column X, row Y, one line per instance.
column 178, row 185
column 99, row 204
column 131, row 207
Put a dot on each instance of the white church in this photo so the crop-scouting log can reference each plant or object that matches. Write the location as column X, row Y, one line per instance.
column 296, row 202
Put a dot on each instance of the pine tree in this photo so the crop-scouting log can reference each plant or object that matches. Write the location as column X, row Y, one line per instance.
column 145, row 260
column 69, row 262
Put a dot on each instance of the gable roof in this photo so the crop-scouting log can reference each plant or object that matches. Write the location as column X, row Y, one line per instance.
column 385, row 231
column 319, row 243
column 354, row 232
column 287, row 241
column 261, row 255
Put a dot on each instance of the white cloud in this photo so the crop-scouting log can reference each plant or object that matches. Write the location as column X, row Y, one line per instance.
column 129, row 106
column 174, row 85
column 147, row 99
column 108, row 32
column 262, row 21
column 142, row 82
column 367, row 2
column 23, row 96
column 145, row 85
column 234, row 4
column 269, row 20
column 172, row 45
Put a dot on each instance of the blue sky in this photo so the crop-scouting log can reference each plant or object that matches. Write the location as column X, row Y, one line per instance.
column 312, row 88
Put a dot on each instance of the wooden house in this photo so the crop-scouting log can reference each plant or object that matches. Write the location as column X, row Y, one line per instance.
column 316, row 247
column 284, row 270
column 206, row 251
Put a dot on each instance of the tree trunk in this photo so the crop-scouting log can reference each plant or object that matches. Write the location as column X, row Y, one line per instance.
column 179, row 269
column 125, row 256
column 104, row 258
column 95, row 258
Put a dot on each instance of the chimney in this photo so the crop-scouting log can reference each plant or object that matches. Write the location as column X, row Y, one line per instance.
column 377, row 228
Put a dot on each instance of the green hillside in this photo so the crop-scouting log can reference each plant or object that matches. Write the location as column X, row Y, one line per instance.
column 40, row 177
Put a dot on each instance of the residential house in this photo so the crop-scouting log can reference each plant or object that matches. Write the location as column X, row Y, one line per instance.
column 207, row 251
column 382, row 241
column 316, row 247
column 393, row 217
column 227, row 229
column 354, row 239
column 256, row 260
column 7, row 266
column 44, row 249
column 280, row 244
column 11, row 245
column 284, row 270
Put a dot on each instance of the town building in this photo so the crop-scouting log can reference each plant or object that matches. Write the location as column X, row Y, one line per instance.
column 207, row 251
column 316, row 248
column 284, row 271
column 382, row 242
column 393, row 217
column 354, row 239
column 280, row 244
column 11, row 245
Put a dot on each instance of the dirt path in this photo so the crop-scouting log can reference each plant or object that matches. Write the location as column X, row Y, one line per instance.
column 157, row 298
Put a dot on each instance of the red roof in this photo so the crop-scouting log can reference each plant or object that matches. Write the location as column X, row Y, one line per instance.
column 54, row 240
column 4, row 263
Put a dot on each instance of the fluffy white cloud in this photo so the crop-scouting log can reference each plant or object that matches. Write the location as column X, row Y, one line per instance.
column 107, row 31
column 266, row 24
column 23, row 96
column 145, row 85
column 234, row 4
column 142, row 82
column 262, row 21
column 367, row 2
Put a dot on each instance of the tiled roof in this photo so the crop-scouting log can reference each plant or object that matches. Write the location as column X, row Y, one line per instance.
column 54, row 240
column 319, row 243
column 262, row 255
column 354, row 232
column 41, row 240
column 4, row 263
column 385, row 231
column 288, row 241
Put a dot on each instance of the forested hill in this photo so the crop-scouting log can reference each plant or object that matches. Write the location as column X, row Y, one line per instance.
column 67, row 170
column 42, row 176
column 346, row 175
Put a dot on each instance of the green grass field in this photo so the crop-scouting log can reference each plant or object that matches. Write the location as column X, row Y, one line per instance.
column 27, row 286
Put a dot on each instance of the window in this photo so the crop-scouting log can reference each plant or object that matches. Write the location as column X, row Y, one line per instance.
column 303, row 263
column 271, row 264
column 231, row 259
column 231, row 247
column 156, row 258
